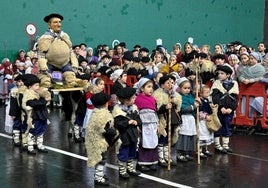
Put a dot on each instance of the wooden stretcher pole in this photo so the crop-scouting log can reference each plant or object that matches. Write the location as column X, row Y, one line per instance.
column 197, row 110
column 169, row 134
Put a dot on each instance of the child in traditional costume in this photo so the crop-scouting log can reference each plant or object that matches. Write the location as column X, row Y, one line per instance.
column 147, row 151
column 127, row 121
column 224, row 92
column 15, row 111
column 34, row 102
column 167, row 100
column 99, row 135
column 96, row 86
column 206, row 136
column 186, row 145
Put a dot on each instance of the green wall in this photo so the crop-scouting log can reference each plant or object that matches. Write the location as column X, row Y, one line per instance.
column 135, row 21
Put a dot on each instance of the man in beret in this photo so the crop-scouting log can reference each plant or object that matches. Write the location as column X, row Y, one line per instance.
column 55, row 47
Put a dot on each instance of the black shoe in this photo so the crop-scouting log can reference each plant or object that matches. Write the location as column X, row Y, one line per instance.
column 153, row 167
column 182, row 158
column 228, row 150
column 78, row 140
column 203, row 156
column 17, row 144
column 220, row 150
column 70, row 135
column 42, row 150
column 102, row 181
column 163, row 163
column 189, row 158
column 134, row 173
column 208, row 153
column 31, row 152
column 124, row 176
column 143, row 168
column 24, row 148
column 172, row 163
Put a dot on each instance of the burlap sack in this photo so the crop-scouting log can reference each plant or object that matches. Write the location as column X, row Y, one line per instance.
column 213, row 123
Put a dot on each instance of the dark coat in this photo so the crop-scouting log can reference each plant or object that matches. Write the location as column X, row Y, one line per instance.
column 128, row 133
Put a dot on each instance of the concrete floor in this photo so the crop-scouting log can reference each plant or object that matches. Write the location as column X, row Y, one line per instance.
column 65, row 164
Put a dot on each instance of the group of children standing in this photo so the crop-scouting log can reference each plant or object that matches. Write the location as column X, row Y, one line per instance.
column 143, row 116
column 140, row 120
column 28, row 109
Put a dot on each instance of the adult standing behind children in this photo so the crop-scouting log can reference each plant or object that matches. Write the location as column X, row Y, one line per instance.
column 224, row 92
column 254, row 71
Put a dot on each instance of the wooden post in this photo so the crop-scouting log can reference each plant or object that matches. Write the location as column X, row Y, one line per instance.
column 197, row 110
column 169, row 135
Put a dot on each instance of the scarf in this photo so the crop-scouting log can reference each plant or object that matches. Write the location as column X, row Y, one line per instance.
column 51, row 33
column 127, row 109
column 226, row 84
column 145, row 102
column 187, row 100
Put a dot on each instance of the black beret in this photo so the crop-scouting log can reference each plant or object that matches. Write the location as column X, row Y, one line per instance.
column 237, row 43
column 144, row 50
column 202, row 55
column 136, row 59
column 100, row 99
column 82, row 44
column 75, row 46
column 93, row 62
column 125, row 93
column 163, row 79
column 128, row 55
column 18, row 77
column 135, row 50
column 145, row 59
column 224, row 68
column 122, row 44
column 137, row 46
column 106, row 56
column 219, row 56
column 84, row 76
column 30, row 79
column 193, row 54
column 189, row 72
column 82, row 59
column 54, row 15
column 113, row 63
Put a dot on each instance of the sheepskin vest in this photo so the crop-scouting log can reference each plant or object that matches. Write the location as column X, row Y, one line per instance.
column 94, row 141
